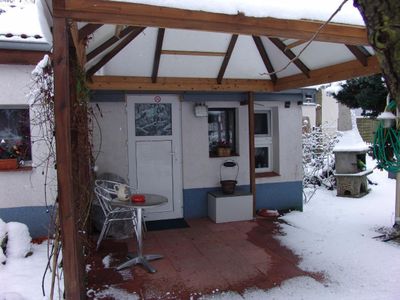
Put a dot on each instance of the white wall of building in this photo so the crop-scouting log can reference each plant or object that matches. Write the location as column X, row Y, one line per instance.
column 23, row 187
column 200, row 170
column 287, row 145
column 330, row 112
column 110, row 139
column 309, row 110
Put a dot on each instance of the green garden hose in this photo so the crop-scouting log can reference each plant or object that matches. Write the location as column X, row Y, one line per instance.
column 387, row 148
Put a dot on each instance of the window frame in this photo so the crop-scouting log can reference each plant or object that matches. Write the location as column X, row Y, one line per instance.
column 265, row 141
column 232, row 137
column 29, row 136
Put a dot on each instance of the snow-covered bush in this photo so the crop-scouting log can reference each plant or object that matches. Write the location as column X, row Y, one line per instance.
column 3, row 236
column 15, row 241
column 318, row 161
column 18, row 240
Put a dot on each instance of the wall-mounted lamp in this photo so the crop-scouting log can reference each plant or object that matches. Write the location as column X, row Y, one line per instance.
column 287, row 104
column 299, row 102
column 200, row 110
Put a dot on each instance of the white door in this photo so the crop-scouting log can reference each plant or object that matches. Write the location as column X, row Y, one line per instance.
column 154, row 145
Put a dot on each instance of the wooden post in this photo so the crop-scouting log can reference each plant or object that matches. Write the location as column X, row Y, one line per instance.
column 72, row 251
column 252, row 162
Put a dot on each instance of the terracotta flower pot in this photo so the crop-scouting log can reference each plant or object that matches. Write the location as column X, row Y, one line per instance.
column 223, row 151
column 8, row 164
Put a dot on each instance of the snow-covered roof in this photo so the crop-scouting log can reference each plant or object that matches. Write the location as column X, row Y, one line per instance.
column 350, row 141
column 142, row 43
column 282, row 9
column 24, row 27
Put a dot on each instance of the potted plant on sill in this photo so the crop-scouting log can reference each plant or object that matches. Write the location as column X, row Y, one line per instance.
column 224, row 149
column 9, row 155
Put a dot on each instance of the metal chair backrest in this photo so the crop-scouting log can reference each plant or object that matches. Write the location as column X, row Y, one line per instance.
column 104, row 198
column 109, row 185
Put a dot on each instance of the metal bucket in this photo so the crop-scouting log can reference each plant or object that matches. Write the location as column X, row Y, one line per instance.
column 228, row 185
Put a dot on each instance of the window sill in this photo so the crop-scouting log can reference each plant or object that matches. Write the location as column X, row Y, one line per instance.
column 20, row 169
column 267, row 174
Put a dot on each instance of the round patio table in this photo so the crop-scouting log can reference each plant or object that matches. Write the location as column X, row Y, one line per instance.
column 151, row 200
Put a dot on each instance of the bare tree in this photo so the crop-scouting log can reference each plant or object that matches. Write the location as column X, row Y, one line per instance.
column 382, row 18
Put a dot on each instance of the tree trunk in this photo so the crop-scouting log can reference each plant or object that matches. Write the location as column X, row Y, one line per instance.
column 382, row 18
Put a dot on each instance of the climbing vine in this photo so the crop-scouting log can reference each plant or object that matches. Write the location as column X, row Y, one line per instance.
column 42, row 107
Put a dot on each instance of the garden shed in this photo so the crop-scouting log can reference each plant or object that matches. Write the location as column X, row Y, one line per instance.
column 142, row 59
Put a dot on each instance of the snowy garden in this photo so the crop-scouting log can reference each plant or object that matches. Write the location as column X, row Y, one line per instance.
column 338, row 237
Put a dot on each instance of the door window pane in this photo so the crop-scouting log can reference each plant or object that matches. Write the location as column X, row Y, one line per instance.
column 153, row 119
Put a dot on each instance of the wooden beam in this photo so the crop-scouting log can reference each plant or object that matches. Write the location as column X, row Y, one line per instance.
column 71, row 250
column 192, row 53
column 337, row 72
column 113, row 12
column 87, row 30
column 21, row 57
column 157, row 54
column 252, row 158
column 289, row 54
column 107, row 44
column 79, row 44
column 227, row 57
column 295, row 44
column 178, row 84
column 361, row 56
column 265, row 58
column 114, row 51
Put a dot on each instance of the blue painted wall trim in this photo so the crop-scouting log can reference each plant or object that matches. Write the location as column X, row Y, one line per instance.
column 302, row 95
column 37, row 218
column 280, row 195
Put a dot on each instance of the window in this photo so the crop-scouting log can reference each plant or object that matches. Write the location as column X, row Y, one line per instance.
column 221, row 130
column 263, row 141
column 15, row 134
column 153, row 119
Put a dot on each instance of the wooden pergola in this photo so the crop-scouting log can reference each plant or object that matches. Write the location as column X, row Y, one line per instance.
column 95, row 13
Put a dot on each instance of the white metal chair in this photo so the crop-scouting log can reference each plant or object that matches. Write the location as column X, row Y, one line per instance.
column 105, row 193
column 112, row 214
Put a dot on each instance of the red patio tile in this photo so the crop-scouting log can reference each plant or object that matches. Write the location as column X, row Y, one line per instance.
column 199, row 260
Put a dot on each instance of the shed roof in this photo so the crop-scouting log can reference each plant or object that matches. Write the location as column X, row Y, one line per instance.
column 228, row 45
column 24, row 26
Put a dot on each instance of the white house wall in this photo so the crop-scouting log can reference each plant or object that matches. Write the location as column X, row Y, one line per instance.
column 110, row 138
column 309, row 110
column 23, row 198
column 287, row 153
column 201, row 172
column 330, row 112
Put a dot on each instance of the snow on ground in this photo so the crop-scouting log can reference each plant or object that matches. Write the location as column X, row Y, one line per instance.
column 285, row 9
column 21, row 278
column 333, row 235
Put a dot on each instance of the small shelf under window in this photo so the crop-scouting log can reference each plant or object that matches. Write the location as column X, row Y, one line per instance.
column 266, row 174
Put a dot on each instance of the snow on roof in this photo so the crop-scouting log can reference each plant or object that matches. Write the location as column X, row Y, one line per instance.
column 24, row 26
column 283, row 9
column 335, row 87
column 350, row 141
